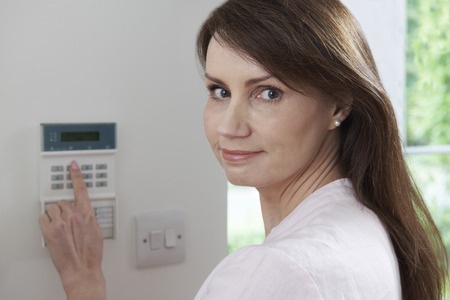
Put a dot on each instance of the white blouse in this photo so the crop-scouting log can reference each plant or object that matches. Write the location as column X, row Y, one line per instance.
column 328, row 247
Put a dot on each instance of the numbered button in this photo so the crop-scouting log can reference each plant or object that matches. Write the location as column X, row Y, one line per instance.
column 57, row 186
column 86, row 167
column 57, row 177
column 87, row 175
column 101, row 166
column 57, row 168
column 101, row 184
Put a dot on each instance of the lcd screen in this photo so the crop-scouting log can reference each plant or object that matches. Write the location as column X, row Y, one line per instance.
column 80, row 136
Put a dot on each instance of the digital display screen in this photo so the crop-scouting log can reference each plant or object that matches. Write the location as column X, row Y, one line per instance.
column 80, row 136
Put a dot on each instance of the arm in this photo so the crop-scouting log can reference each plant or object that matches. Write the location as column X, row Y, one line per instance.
column 75, row 243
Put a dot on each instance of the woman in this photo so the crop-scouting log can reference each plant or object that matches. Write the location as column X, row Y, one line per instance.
column 296, row 109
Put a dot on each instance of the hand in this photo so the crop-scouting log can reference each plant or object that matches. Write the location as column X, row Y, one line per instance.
column 75, row 242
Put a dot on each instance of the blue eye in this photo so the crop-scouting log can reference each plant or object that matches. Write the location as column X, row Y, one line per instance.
column 269, row 94
column 218, row 93
column 221, row 93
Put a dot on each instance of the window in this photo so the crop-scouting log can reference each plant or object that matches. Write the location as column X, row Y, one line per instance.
column 428, row 105
column 245, row 224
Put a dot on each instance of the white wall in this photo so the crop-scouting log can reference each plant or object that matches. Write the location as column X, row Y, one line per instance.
column 384, row 23
column 130, row 62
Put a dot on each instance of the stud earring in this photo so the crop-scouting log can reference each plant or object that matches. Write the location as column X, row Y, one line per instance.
column 337, row 123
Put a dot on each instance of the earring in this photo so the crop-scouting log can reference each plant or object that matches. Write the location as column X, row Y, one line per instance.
column 337, row 123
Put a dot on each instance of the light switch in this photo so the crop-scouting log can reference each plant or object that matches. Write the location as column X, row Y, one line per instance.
column 160, row 238
column 170, row 238
column 156, row 239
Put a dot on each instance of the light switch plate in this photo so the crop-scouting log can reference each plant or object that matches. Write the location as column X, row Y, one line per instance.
column 152, row 253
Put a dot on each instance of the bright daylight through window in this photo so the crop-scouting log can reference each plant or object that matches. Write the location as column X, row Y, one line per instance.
column 428, row 105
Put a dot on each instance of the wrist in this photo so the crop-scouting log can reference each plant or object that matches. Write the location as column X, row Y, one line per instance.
column 88, row 285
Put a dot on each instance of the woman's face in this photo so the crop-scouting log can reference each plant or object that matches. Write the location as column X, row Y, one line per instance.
column 261, row 131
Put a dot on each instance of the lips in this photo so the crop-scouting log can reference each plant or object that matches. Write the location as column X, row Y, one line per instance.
column 238, row 155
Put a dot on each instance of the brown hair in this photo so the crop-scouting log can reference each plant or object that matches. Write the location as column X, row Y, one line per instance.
column 319, row 43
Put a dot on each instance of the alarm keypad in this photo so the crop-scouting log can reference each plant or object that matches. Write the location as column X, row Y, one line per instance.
column 97, row 176
column 93, row 147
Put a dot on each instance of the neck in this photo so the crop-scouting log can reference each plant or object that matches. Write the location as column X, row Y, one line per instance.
column 278, row 200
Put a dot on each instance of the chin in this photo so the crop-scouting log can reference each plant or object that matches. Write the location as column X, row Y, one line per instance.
column 240, row 183
column 241, row 180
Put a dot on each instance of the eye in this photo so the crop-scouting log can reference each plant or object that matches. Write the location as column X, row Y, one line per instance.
column 218, row 93
column 221, row 93
column 269, row 94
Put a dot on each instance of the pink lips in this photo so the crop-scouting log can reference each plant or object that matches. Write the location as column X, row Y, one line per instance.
column 238, row 155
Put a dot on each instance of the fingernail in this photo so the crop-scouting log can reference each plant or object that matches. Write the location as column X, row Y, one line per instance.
column 74, row 165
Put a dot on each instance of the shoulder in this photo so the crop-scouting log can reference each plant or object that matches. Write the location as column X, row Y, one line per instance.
column 329, row 245
column 341, row 244
column 259, row 272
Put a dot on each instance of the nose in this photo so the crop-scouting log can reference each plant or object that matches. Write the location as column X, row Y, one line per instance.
column 235, row 120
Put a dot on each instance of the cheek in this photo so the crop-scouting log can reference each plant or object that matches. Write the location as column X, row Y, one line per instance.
column 298, row 135
column 209, row 124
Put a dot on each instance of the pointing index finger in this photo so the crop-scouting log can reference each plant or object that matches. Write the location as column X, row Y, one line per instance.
column 79, row 187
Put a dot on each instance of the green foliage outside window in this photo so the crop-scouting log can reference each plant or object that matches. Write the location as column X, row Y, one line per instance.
column 428, row 104
column 428, row 98
column 428, row 72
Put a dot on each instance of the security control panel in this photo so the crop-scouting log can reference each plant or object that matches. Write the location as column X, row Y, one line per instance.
column 93, row 147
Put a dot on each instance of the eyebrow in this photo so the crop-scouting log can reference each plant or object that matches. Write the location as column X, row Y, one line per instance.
column 247, row 83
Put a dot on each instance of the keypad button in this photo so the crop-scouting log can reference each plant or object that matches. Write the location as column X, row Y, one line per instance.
column 101, row 166
column 101, row 175
column 69, row 186
column 89, row 184
column 57, row 168
column 57, row 186
column 57, row 177
column 86, row 167
column 101, row 184
column 87, row 175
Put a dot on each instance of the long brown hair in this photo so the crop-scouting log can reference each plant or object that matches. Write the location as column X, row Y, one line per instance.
column 319, row 43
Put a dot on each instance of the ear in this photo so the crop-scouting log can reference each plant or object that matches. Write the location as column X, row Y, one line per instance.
column 340, row 114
